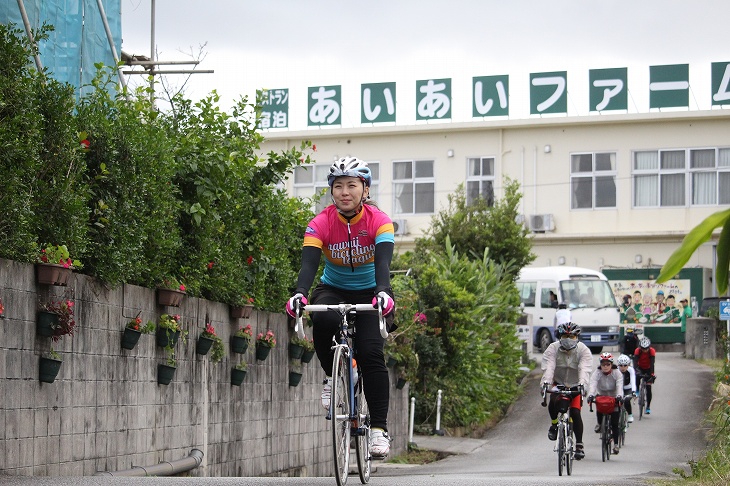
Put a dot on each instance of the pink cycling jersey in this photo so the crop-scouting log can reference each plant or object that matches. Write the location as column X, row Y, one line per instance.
column 349, row 266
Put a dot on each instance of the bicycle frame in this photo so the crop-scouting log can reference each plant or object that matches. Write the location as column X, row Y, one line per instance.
column 564, row 444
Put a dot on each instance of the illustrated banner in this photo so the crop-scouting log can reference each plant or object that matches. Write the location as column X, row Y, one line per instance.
column 647, row 302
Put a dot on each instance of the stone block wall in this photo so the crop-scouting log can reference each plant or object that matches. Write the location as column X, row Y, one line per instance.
column 106, row 411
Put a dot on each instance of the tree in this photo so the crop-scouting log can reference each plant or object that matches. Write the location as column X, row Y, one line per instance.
column 475, row 227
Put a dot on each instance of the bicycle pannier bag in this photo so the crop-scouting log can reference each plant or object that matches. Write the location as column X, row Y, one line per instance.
column 605, row 404
column 562, row 404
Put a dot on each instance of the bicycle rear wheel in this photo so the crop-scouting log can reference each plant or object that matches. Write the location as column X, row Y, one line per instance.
column 622, row 424
column 340, row 411
column 362, row 441
column 561, row 447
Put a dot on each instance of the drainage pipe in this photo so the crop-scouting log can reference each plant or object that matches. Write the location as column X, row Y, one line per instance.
column 165, row 468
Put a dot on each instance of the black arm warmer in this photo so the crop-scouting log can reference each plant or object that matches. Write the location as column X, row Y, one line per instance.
column 310, row 264
column 383, row 256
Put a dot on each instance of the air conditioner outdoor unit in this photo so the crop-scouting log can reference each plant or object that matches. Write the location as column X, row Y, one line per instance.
column 540, row 223
column 400, row 226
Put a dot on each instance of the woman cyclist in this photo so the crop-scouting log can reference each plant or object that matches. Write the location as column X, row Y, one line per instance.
column 624, row 366
column 357, row 240
column 607, row 381
column 644, row 357
column 567, row 362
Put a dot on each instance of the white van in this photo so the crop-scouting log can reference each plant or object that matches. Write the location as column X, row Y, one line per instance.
column 585, row 292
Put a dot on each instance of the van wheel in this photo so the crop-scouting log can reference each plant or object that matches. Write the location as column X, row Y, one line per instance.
column 596, row 350
column 544, row 339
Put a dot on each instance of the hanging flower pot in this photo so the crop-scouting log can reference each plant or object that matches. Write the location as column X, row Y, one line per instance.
column 204, row 344
column 401, row 383
column 53, row 274
column 239, row 344
column 307, row 356
column 48, row 369
column 295, row 351
column 170, row 297
column 46, row 323
column 130, row 338
column 241, row 312
column 165, row 373
column 237, row 376
column 391, row 361
column 166, row 338
column 262, row 352
column 295, row 378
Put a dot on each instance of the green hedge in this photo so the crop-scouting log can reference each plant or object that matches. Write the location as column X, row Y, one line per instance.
column 151, row 195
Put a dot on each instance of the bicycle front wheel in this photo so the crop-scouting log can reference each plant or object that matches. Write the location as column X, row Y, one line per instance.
column 362, row 441
column 569, row 450
column 642, row 398
column 605, row 439
column 561, row 448
column 622, row 424
column 340, row 411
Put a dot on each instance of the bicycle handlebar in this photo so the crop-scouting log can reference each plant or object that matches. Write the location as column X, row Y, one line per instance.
column 343, row 309
column 560, row 390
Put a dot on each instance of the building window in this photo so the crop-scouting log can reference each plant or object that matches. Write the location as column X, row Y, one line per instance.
column 480, row 179
column 593, row 180
column 665, row 177
column 413, row 187
column 311, row 179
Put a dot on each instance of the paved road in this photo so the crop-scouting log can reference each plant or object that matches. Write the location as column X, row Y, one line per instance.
column 517, row 452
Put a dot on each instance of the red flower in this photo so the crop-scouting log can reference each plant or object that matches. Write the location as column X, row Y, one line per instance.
column 182, row 287
column 314, row 148
column 249, row 260
column 210, row 265
column 85, row 145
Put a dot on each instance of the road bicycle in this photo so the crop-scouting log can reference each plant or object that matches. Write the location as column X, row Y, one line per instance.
column 565, row 442
column 623, row 423
column 642, row 393
column 348, row 408
column 606, row 406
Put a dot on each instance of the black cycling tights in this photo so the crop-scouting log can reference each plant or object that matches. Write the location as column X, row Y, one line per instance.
column 368, row 344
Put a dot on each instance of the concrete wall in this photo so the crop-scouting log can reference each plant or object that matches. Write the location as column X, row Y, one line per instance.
column 106, row 411
column 701, row 338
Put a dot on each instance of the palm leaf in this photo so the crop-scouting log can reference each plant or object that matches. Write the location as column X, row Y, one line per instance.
column 723, row 259
column 698, row 235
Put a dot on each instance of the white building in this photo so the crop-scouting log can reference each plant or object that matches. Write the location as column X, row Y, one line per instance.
column 598, row 191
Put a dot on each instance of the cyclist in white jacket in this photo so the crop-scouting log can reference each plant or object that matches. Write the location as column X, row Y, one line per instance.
column 567, row 362
column 624, row 366
column 607, row 381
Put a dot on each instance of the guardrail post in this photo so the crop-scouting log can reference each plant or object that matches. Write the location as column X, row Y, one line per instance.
column 410, row 424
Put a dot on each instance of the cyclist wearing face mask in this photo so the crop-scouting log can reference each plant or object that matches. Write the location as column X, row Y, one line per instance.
column 567, row 362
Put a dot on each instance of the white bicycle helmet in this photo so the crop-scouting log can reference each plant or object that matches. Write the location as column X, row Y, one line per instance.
column 606, row 357
column 644, row 343
column 624, row 360
column 350, row 167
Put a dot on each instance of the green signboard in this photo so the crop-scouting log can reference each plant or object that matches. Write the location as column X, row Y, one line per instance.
column 433, row 99
column 720, row 81
column 548, row 92
column 378, row 103
column 608, row 89
column 324, row 105
column 490, row 96
column 274, row 108
column 669, row 86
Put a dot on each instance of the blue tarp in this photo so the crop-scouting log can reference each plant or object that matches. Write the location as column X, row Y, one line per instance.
column 79, row 40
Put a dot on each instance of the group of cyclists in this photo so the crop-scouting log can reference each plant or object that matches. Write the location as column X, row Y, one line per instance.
column 568, row 362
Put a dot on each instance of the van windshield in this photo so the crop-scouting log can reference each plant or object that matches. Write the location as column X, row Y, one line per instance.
column 587, row 292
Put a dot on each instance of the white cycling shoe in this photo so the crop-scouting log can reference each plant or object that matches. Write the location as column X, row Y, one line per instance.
column 327, row 393
column 380, row 443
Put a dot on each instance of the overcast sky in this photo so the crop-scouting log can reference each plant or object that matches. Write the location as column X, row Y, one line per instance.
column 300, row 43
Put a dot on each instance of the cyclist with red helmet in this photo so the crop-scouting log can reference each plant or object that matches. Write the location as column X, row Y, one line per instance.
column 357, row 240
column 644, row 357
column 567, row 362
column 608, row 381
